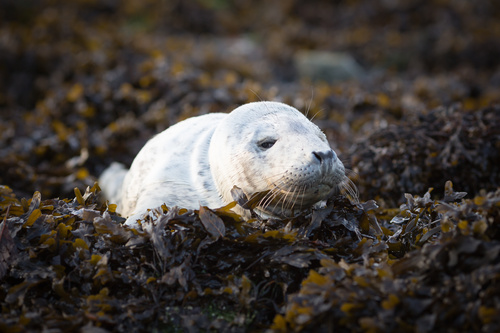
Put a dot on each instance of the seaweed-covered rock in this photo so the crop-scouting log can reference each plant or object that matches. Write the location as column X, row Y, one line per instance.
column 449, row 282
column 427, row 266
column 444, row 144
column 75, row 262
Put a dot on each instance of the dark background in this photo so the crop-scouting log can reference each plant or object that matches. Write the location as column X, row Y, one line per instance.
column 84, row 83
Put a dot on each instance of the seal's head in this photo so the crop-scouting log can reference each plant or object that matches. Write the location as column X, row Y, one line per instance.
column 272, row 147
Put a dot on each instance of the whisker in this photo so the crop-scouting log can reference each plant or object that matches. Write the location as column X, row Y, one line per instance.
column 302, row 199
column 310, row 102
column 256, row 94
column 279, row 188
column 274, row 192
column 294, row 196
column 348, row 186
column 268, row 199
column 320, row 110
column 284, row 201
column 354, row 188
column 351, row 173
column 300, row 193
column 291, row 204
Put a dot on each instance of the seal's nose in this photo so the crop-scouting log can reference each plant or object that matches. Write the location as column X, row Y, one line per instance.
column 325, row 157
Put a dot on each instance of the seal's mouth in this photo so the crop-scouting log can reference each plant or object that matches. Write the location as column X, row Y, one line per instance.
column 302, row 184
column 281, row 202
column 283, row 199
column 303, row 199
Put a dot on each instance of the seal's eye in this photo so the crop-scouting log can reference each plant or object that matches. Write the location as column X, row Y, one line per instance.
column 266, row 144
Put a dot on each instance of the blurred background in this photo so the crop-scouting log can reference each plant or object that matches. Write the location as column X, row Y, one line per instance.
column 406, row 91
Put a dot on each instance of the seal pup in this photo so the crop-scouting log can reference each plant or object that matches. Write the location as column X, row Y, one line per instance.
column 258, row 147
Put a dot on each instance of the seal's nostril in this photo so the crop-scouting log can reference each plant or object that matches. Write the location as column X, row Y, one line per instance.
column 318, row 156
column 324, row 156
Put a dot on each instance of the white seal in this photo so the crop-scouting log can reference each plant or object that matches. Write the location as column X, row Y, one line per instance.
column 258, row 147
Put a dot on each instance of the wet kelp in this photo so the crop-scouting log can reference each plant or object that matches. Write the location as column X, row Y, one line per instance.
column 74, row 262
column 448, row 281
column 70, row 264
column 443, row 144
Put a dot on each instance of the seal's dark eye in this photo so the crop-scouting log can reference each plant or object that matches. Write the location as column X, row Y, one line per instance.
column 266, row 144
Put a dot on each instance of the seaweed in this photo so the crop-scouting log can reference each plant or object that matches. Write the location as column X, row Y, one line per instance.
column 78, row 254
column 444, row 144
column 324, row 269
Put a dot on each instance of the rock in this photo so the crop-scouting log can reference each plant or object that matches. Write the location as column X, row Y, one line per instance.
column 327, row 66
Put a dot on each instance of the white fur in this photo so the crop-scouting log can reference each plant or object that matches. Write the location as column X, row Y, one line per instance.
column 199, row 160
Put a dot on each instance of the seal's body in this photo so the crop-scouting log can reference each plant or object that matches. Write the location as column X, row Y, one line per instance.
column 258, row 147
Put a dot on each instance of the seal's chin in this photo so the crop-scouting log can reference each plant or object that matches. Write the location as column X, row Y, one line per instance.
column 313, row 195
